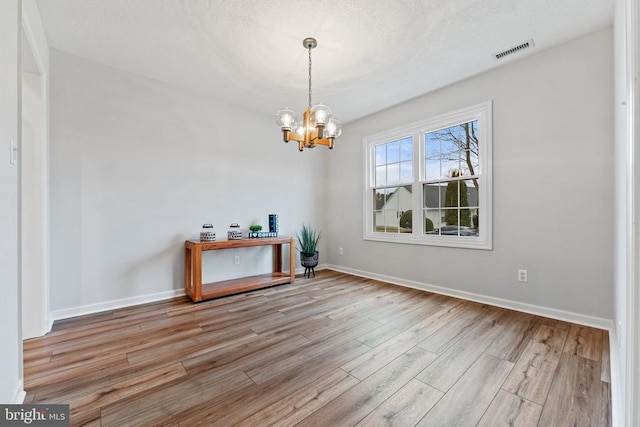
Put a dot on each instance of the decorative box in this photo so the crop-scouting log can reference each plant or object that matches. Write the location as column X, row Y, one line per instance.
column 234, row 232
column 261, row 234
column 208, row 233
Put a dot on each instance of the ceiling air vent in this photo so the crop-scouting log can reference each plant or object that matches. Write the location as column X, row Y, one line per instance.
column 521, row 46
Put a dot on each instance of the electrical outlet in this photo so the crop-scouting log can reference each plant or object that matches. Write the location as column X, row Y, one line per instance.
column 522, row 276
column 340, row 251
column 236, row 259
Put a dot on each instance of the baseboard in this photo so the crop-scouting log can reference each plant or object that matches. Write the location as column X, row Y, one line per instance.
column 581, row 319
column 112, row 305
column 19, row 394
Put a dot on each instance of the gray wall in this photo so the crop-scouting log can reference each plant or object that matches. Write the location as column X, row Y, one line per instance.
column 553, row 184
column 11, row 348
column 137, row 167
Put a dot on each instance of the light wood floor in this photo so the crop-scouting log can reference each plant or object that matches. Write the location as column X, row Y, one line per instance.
column 336, row 350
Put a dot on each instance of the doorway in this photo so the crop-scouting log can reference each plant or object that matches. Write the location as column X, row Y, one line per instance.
column 34, row 195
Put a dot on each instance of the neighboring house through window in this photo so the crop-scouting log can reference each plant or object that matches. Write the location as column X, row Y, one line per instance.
column 439, row 168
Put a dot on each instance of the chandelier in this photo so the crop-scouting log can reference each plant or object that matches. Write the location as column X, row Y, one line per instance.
column 318, row 126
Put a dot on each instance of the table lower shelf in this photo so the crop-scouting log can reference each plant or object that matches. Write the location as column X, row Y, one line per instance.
column 243, row 284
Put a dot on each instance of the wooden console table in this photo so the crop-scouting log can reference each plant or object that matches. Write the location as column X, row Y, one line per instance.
column 198, row 291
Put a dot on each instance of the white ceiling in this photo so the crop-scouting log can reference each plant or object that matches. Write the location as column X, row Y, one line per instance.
column 371, row 54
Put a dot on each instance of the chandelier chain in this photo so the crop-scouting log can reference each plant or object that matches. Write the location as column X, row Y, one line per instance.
column 310, row 76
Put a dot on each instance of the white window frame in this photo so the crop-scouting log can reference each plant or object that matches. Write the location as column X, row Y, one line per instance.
column 483, row 114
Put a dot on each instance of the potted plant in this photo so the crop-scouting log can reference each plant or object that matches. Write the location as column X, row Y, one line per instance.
column 308, row 247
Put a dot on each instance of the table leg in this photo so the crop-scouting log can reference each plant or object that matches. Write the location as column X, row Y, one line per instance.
column 292, row 259
column 277, row 258
column 188, row 284
column 197, row 273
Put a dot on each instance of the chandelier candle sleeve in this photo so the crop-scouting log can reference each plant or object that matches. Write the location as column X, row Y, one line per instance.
column 318, row 126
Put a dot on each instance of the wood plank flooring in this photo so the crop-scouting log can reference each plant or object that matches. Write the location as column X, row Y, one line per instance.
column 334, row 350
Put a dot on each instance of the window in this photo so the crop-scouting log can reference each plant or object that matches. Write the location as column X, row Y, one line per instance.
column 440, row 168
column 393, row 167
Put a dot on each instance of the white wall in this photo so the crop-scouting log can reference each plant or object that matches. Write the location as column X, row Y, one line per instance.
column 33, row 157
column 137, row 167
column 553, row 182
column 620, row 106
column 34, row 165
column 11, row 349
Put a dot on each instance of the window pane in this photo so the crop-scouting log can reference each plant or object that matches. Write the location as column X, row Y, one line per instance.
column 390, row 205
column 475, row 223
column 433, row 194
column 406, row 221
column 393, row 152
column 432, row 156
column 389, row 199
column 452, row 195
column 381, row 154
column 391, row 221
column 432, row 221
column 472, row 192
column 469, row 146
column 432, row 169
column 404, row 197
column 378, row 199
column 406, row 171
column 393, row 174
column 381, row 175
column 450, row 216
column 377, row 221
column 406, row 149
column 450, row 153
column 450, row 157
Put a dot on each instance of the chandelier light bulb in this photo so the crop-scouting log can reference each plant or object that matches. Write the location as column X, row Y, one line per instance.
column 320, row 114
column 299, row 129
column 333, row 128
column 286, row 119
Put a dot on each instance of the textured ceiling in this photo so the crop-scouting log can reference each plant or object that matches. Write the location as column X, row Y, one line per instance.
column 371, row 54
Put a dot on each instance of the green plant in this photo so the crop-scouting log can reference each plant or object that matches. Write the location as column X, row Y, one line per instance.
column 255, row 227
column 428, row 225
column 407, row 218
column 308, row 240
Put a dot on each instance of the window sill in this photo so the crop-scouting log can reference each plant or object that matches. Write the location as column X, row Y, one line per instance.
column 439, row 241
